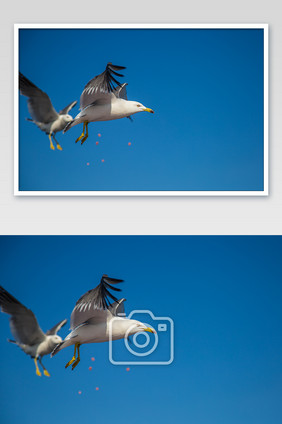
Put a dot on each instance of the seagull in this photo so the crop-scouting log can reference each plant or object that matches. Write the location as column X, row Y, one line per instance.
column 25, row 329
column 42, row 111
column 94, row 320
column 101, row 100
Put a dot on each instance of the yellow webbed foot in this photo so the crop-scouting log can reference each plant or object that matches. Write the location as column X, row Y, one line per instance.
column 59, row 147
column 38, row 373
column 70, row 362
column 84, row 138
column 75, row 364
column 79, row 138
column 52, row 146
column 46, row 373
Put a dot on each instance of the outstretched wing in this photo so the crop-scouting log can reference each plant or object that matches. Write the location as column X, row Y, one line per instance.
column 23, row 324
column 56, row 328
column 100, row 88
column 67, row 108
column 39, row 103
column 95, row 303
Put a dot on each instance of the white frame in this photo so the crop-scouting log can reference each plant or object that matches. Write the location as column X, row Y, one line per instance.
column 17, row 192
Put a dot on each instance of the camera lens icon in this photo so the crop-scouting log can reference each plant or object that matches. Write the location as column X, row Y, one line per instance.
column 143, row 347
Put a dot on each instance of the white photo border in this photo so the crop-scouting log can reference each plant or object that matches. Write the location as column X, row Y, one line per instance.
column 264, row 192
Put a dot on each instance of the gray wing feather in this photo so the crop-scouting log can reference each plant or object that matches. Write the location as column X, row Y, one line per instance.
column 23, row 324
column 54, row 330
column 101, row 87
column 95, row 303
column 117, row 308
column 120, row 91
column 67, row 108
column 39, row 103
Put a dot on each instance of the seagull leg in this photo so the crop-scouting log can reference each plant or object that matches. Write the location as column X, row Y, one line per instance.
column 36, row 367
column 86, row 135
column 58, row 146
column 51, row 143
column 82, row 134
column 77, row 359
column 45, row 372
column 73, row 358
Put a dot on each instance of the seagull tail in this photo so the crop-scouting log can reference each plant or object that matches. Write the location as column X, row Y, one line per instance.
column 70, row 125
column 57, row 348
column 65, row 343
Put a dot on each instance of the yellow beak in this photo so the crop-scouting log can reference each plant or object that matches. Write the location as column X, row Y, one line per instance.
column 150, row 330
column 147, row 109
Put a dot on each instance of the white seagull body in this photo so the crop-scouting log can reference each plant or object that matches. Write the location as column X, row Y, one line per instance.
column 102, row 101
column 95, row 320
column 42, row 111
column 26, row 331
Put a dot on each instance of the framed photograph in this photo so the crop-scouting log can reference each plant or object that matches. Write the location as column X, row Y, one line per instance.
column 79, row 91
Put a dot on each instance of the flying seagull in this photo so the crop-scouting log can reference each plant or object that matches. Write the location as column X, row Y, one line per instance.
column 102, row 100
column 42, row 111
column 26, row 331
column 91, row 319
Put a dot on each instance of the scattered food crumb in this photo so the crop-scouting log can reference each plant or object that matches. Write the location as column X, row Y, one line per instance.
column 97, row 142
column 92, row 359
column 90, row 368
column 79, row 392
column 103, row 160
column 129, row 144
column 88, row 164
column 128, row 369
column 97, row 388
column 99, row 135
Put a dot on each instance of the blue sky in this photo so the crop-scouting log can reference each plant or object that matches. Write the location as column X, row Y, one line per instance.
column 223, row 293
column 206, row 87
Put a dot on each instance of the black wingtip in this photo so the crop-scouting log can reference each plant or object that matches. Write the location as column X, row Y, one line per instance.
column 110, row 280
column 115, row 67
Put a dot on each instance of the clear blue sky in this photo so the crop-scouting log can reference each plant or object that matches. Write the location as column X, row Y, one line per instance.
column 223, row 293
column 206, row 87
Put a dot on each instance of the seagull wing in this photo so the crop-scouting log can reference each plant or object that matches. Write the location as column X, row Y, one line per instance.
column 95, row 304
column 120, row 91
column 117, row 308
column 100, row 89
column 54, row 330
column 23, row 324
column 39, row 103
column 67, row 108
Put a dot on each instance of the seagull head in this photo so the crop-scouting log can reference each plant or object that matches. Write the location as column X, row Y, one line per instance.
column 54, row 339
column 138, row 107
column 139, row 327
column 67, row 118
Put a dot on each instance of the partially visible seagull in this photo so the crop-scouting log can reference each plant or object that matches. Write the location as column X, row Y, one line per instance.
column 26, row 331
column 94, row 320
column 42, row 111
column 101, row 100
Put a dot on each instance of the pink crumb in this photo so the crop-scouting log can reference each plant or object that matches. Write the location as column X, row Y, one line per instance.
column 99, row 135
column 127, row 369
column 90, row 368
column 79, row 392
column 97, row 142
column 92, row 359
column 88, row 164
column 103, row 160
column 97, row 388
column 129, row 144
